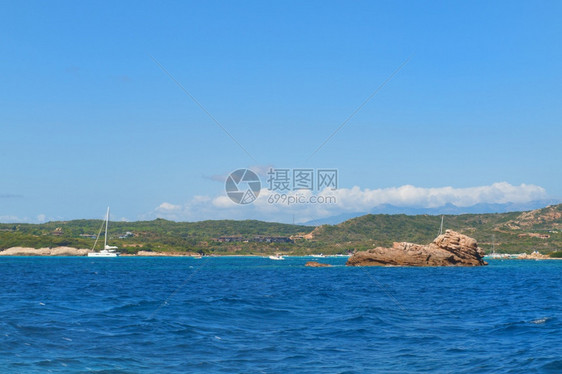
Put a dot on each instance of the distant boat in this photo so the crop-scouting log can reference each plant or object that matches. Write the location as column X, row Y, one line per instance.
column 276, row 257
column 494, row 255
column 108, row 250
column 320, row 255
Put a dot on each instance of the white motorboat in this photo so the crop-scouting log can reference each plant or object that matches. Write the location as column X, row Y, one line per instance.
column 276, row 257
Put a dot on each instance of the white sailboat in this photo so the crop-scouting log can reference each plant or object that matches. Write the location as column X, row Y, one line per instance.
column 495, row 255
column 108, row 250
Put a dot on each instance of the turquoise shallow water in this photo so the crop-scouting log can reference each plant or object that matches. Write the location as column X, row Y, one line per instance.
column 154, row 315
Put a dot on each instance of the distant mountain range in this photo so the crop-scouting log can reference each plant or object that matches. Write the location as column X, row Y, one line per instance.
column 447, row 209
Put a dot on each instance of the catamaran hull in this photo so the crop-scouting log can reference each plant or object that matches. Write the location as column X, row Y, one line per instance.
column 98, row 254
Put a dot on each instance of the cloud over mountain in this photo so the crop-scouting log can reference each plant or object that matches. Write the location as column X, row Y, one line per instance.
column 346, row 200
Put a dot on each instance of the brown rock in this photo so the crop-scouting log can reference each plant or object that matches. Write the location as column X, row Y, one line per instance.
column 315, row 264
column 449, row 249
column 533, row 256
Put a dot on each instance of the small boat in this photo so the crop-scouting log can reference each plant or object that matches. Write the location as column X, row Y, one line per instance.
column 276, row 257
column 108, row 250
column 320, row 255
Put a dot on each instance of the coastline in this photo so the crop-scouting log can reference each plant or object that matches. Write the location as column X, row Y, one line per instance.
column 82, row 252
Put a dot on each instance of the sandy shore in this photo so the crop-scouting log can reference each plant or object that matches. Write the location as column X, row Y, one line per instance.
column 71, row 251
column 57, row 251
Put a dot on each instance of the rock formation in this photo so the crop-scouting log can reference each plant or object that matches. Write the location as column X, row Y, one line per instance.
column 57, row 251
column 533, row 256
column 315, row 264
column 449, row 249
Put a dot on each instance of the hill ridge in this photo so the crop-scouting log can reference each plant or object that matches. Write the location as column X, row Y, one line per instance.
column 538, row 229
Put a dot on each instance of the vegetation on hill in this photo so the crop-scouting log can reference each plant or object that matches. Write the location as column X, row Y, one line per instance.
column 505, row 233
column 156, row 235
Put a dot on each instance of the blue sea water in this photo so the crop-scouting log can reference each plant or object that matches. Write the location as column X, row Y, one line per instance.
column 255, row 315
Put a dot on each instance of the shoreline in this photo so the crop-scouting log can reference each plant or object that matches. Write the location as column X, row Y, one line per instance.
column 82, row 252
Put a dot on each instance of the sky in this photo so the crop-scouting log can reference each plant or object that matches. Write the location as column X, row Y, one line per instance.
column 148, row 106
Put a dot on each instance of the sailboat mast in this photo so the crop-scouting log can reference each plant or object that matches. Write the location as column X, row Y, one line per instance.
column 106, row 224
column 441, row 228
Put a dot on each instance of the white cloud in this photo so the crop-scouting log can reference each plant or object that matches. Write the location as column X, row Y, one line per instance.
column 499, row 193
column 40, row 218
column 347, row 200
column 167, row 207
column 13, row 219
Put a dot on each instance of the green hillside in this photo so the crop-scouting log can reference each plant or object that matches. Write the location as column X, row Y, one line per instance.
column 156, row 235
column 507, row 232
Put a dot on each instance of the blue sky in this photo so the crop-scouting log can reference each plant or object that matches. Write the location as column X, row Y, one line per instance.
column 89, row 119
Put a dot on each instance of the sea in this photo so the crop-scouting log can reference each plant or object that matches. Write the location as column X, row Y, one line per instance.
column 256, row 315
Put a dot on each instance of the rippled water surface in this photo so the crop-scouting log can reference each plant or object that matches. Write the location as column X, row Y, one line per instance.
column 155, row 315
